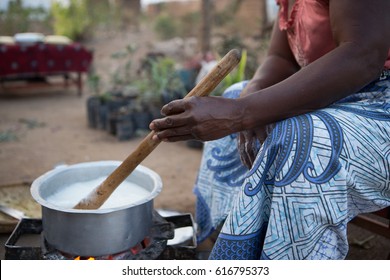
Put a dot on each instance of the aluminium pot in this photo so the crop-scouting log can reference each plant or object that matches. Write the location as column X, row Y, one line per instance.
column 95, row 232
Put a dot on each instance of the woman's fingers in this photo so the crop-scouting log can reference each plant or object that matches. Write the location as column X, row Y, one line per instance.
column 167, row 123
column 247, row 147
column 170, row 110
column 178, row 138
column 244, row 138
column 174, row 134
column 173, row 107
column 201, row 118
column 261, row 133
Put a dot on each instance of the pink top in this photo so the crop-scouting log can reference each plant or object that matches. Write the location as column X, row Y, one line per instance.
column 308, row 29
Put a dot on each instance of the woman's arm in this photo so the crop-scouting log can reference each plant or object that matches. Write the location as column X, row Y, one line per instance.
column 362, row 31
column 186, row 119
column 278, row 64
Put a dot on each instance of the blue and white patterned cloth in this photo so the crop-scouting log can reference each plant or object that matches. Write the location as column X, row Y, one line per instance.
column 311, row 176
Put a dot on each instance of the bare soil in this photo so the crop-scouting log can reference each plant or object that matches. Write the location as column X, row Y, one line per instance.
column 51, row 129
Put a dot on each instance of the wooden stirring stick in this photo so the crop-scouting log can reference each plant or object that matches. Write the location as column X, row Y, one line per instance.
column 99, row 195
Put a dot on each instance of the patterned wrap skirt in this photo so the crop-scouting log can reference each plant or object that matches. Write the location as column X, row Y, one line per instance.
column 311, row 176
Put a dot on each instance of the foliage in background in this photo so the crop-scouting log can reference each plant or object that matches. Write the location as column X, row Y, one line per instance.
column 247, row 66
column 17, row 19
column 165, row 27
column 237, row 75
column 94, row 82
column 77, row 21
column 189, row 24
column 160, row 81
column 71, row 20
column 123, row 74
column 101, row 14
column 226, row 15
column 236, row 42
column 155, row 83
column 120, row 77
column 8, row 136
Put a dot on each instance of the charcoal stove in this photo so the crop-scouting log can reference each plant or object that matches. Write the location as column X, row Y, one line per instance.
column 153, row 246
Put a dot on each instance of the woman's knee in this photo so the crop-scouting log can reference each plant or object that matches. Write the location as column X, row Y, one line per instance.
column 234, row 90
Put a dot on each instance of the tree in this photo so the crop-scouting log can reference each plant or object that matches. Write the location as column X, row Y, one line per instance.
column 71, row 20
column 207, row 7
column 131, row 10
column 264, row 18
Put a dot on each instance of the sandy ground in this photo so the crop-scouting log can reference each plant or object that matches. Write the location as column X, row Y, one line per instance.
column 50, row 126
column 51, row 129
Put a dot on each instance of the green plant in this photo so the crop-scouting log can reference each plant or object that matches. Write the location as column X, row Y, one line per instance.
column 237, row 75
column 161, row 72
column 93, row 80
column 71, row 20
column 159, row 82
column 236, row 42
column 122, row 74
column 103, row 14
column 165, row 27
column 18, row 18
column 8, row 136
column 164, row 81
column 189, row 24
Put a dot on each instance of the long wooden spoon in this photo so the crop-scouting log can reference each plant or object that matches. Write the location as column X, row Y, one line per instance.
column 99, row 195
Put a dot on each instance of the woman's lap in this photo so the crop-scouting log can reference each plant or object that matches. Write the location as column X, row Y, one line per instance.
column 312, row 175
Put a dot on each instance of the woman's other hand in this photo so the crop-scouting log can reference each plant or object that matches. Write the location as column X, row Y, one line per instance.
column 247, row 140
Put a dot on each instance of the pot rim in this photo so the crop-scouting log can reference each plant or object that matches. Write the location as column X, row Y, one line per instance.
column 36, row 184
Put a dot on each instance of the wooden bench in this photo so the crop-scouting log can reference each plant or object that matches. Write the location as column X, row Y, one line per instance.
column 376, row 222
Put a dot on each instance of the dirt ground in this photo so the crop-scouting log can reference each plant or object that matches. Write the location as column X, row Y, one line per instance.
column 51, row 129
column 44, row 127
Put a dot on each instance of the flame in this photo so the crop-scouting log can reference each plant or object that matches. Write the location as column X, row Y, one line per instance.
column 78, row 258
column 134, row 250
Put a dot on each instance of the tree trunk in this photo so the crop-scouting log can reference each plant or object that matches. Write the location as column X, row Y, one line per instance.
column 207, row 7
column 130, row 12
column 263, row 18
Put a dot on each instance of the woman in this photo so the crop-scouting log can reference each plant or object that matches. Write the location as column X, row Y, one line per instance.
column 312, row 126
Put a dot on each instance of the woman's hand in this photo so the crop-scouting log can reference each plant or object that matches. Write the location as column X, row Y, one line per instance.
column 247, row 148
column 247, row 139
column 201, row 118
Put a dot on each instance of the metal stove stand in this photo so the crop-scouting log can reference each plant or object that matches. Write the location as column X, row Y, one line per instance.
column 157, row 248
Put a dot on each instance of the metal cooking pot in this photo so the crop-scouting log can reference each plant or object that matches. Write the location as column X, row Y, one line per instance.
column 95, row 232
